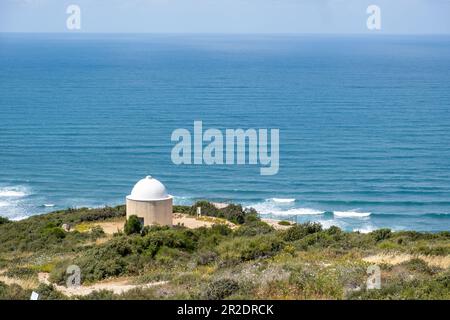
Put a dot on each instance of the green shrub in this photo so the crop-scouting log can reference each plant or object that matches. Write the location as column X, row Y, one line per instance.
column 54, row 232
column 316, row 284
column 13, row 292
column 42, row 233
column 181, row 209
column 4, row 220
column 381, row 234
column 232, row 212
column 432, row 250
column 436, row 288
column 21, row 272
column 254, row 228
column 334, row 230
column 418, row 265
column 206, row 257
column 221, row 229
column 132, row 225
column 208, row 209
column 299, row 231
column 249, row 248
column 148, row 229
column 318, row 239
column 284, row 223
column 97, row 232
column 168, row 256
column 221, row 289
column 48, row 292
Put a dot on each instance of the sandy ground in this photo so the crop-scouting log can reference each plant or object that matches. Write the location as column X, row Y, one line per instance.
column 274, row 224
column 197, row 222
column 111, row 227
column 390, row 258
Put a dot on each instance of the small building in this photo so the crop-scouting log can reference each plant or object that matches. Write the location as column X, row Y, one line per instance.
column 150, row 202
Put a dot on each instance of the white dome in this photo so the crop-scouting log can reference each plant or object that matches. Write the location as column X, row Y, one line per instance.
column 148, row 189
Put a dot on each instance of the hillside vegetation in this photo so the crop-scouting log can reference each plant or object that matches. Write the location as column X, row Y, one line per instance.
column 252, row 261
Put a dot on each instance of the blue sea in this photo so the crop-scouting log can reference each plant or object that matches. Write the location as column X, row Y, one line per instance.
column 364, row 123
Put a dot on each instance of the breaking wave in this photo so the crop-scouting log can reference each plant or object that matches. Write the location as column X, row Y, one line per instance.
column 351, row 214
column 283, row 200
column 13, row 192
column 269, row 207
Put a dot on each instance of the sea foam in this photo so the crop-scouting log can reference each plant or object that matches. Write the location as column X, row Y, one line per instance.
column 283, row 200
column 351, row 214
column 11, row 193
column 268, row 207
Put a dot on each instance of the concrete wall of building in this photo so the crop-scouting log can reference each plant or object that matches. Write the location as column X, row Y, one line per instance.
column 153, row 212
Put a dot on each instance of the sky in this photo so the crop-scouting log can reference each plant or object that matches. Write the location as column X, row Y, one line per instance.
column 227, row 16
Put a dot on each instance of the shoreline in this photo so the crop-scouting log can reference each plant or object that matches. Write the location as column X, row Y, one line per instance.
column 365, row 223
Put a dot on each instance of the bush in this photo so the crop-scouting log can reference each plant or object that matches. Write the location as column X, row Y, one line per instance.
column 21, row 272
column 381, row 234
column 254, row 228
column 97, row 232
column 132, row 225
column 48, row 292
column 232, row 212
column 221, row 229
column 43, row 233
column 249, row 248
column 318, row 239
column 149, row 229
column 334, row 230
column 220, row 289
column 181, row 209
column 436, row 288
column 284, row 223
column 51, row 231
column 208, row 209
column 4, row 220
column 300, row 231
column 206, row 257
column 13, row 292
column 418, row 265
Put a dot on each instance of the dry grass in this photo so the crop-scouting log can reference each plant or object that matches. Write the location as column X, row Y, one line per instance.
column 398, row 258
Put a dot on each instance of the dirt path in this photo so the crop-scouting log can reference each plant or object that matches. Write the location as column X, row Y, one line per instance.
column 397, row 258
column 116, row 286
